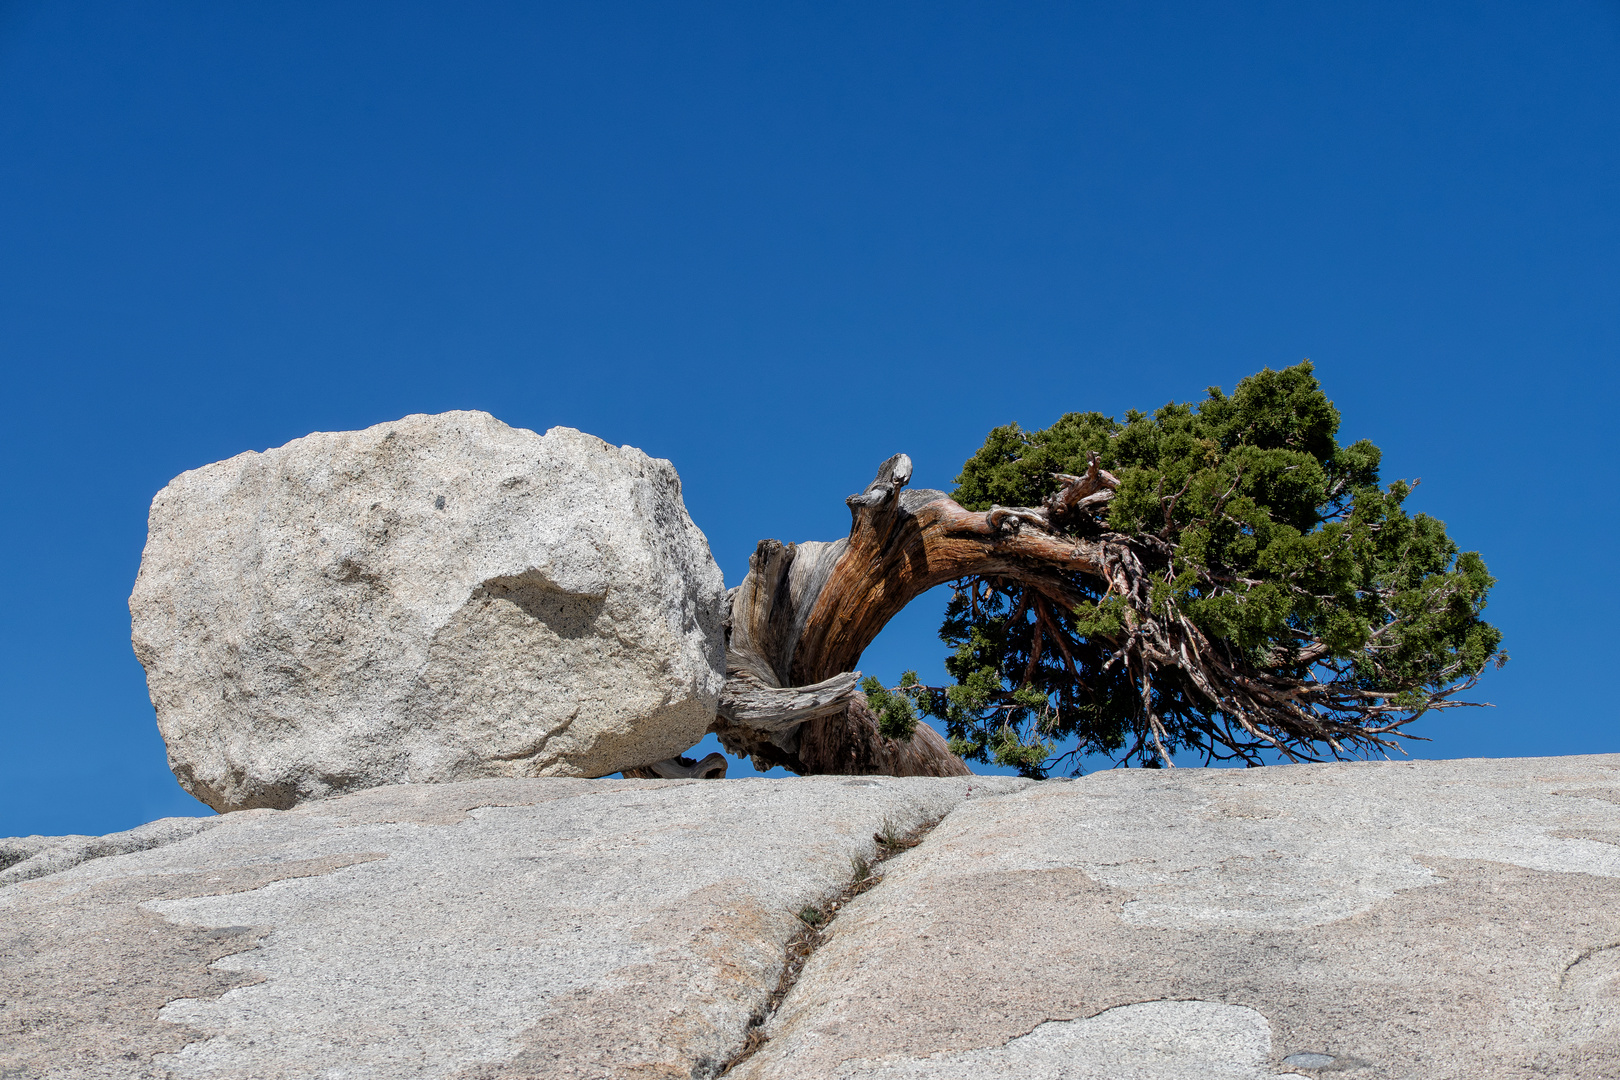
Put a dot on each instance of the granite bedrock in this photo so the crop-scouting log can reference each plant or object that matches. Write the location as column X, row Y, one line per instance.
column 1423, row 919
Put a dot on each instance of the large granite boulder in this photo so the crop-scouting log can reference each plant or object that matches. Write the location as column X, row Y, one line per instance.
column 436, row 599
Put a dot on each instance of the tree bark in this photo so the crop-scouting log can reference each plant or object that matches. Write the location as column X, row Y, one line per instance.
column 850, row 744
column 712, row 767
column 805, row 612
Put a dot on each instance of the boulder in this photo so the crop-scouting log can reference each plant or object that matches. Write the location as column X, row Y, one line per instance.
column 440, row 598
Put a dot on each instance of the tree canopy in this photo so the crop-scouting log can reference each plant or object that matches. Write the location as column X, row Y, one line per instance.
column 1257, row 592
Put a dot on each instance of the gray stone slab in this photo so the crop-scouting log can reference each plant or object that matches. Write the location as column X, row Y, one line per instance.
column 23, row 858
column 1428, row 919
column 493, row 928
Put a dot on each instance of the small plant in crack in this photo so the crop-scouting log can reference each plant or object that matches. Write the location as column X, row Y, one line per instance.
column 816, row 920
column 891, row 840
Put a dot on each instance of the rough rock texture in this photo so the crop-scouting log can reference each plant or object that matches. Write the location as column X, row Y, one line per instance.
column 1427, row 920
column 488, row 929
column 435, row 599
column 25, row 857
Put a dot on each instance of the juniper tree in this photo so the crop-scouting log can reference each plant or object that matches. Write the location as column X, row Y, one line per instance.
column 1264, row 592
column 1222, row 576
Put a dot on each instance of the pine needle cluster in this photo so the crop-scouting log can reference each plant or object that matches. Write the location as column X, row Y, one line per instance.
column 1268, row 596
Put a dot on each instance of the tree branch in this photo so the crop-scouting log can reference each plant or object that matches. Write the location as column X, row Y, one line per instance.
column 805, row 612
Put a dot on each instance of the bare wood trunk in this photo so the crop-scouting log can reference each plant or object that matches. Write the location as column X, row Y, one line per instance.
column 805, row 613
column 849, row 744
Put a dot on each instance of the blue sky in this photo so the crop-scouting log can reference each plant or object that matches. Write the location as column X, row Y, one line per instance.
column 778, row 243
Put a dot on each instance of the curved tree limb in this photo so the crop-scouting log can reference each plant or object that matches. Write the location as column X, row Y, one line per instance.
column 775, row 709
column 805, row 612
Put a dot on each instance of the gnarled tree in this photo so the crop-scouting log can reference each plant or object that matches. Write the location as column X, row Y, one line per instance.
column 1222, row 576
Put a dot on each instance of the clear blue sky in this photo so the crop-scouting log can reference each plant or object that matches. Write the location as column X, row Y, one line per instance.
column 777, row 243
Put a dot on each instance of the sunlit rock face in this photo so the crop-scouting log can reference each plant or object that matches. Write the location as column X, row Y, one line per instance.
column 567, row 929
column 1397, row 921
column 435, row 599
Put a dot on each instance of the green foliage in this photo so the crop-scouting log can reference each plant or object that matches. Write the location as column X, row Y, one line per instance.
column 1275, row 543
column 895, row 709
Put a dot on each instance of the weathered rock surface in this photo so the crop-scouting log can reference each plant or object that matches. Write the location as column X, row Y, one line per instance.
column 1429, row 920
column 436, row 599
column 1434, row 920
column 488, row 929
column 23, row 858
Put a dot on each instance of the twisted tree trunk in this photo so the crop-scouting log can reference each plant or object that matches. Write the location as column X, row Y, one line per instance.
column 805, row 612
